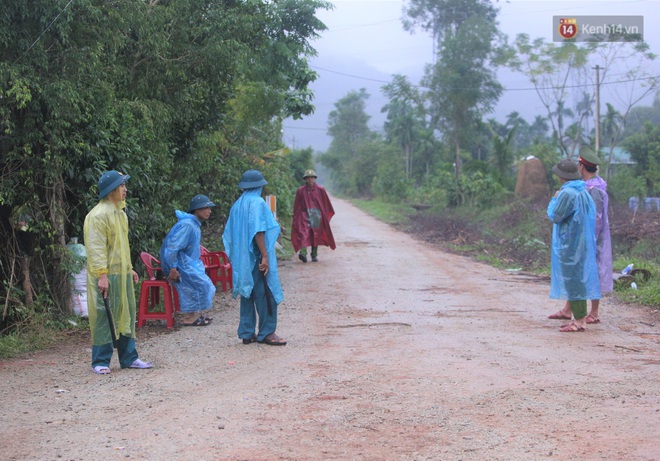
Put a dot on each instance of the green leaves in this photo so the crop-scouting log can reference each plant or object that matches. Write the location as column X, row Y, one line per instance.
column 183, row 95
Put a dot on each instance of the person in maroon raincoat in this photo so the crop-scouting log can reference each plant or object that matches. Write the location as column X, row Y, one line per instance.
column 312, row 212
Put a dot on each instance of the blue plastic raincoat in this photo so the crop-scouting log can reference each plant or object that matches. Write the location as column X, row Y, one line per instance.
column 574, row 268
column 180, row 249
column 248, row 215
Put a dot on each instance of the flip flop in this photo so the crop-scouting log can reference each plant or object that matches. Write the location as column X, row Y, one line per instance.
column 559, row 316
column 101, row 370
column 273, row 340
column 571, row 328
column 200, row 322
column 591, row 319
column 139, row 364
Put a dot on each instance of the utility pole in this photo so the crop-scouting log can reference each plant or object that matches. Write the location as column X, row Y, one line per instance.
column 597, row 109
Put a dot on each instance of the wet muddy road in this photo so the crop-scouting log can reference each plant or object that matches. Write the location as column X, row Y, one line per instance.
column 397, row 351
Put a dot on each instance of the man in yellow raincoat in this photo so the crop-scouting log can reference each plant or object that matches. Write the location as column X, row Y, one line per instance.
column 109, row 269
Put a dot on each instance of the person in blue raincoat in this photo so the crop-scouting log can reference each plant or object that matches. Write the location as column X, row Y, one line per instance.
column 249, row 239
column 574, row 270
column 180, row 260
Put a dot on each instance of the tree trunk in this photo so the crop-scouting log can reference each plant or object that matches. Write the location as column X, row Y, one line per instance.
column 60, row 280
column 457, row 160
column 27, row 283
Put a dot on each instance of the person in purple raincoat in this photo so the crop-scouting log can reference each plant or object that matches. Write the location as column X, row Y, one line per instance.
column 588, row 165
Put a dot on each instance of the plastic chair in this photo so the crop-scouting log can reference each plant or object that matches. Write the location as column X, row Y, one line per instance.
column 218, row 267
column 150, row 295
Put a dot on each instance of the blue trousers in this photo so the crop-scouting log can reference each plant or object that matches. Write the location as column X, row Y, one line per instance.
column 126, row 351
column 257, row 305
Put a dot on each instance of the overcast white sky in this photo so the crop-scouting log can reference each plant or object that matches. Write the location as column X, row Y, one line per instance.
column 365, row 43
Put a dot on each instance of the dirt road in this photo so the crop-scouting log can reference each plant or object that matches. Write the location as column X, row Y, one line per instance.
column 397, row 351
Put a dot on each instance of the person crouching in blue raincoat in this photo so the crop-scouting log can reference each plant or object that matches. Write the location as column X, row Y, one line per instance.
column 249, row 239
column 180, row 260
column 574, row 270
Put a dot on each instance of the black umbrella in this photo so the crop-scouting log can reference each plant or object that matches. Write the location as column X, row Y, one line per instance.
column 110, row 322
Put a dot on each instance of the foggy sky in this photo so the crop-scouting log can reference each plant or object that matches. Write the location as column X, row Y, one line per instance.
column 365, row 44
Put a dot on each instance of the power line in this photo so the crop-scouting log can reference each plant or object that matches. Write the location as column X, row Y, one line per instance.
column 44, row 31
column 349, row 75
column 301, row 128
column 581, row 85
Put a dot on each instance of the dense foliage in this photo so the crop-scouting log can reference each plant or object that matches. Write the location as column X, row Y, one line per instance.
column 182, row 95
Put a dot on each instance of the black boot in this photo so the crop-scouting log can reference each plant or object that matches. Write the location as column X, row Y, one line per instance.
column 303, row 258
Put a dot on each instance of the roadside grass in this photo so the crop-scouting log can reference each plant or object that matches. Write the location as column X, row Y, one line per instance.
column 37, row 335
column 518, row 235
column 387, row 212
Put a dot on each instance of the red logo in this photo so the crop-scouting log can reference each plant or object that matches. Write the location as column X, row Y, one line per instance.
column 568, row 28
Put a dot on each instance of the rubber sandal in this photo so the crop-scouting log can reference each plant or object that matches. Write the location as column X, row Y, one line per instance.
column 591, row 320
column 101, row 370
column 139, row 364
column 559, row 316
column 273, row 340
column 571, row 328
column 200, row 322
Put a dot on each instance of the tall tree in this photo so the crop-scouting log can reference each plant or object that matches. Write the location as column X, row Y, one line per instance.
column 462, row 82
column 639, row 115
column 556, row 70
column 550, row 68
column 612, row 125
column 405, row 117
column 348, row 127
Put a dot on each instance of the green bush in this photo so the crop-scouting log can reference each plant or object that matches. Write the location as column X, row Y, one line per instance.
column 625, row 184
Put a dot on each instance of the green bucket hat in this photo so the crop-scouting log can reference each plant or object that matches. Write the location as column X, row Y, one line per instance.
column 567, row 169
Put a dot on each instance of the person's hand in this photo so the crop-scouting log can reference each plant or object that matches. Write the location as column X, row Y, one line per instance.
column 263, row 265
column 136, row 277
column 174, row 275
column 103, row 285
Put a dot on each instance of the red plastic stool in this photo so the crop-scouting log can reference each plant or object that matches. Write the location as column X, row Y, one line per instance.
column 150, row 295
column 218, row 267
